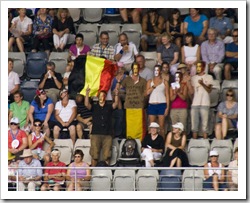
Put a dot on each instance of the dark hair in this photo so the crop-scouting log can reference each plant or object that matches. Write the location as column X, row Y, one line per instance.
column 10, row 59
column 180, row 75
column 78, row 151
column 51, row 63
column 165, row 63
column 104, row 33
column 197, row 9
column 102, row 91
column 190, row 34
column 158, row 66
column 203, row 63
column 38, row 101
column 38, row 120
column 18, row 92
column 123, row 34
column 140, row 55
column 171, row 19
column 80, row 35
column 151, row 10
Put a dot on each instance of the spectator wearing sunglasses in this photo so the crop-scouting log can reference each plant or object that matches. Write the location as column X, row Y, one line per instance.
column 227, row 115
column 36, row 140
column 17, row 139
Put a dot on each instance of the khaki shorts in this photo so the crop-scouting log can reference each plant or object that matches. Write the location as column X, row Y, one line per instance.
column 99, row 142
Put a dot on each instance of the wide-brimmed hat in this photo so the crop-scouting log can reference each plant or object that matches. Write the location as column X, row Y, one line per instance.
column 26, row 153
column 11, row 156
column 154, row 125
column 14, row 120
column 182, row 65
column 213, row 153
column 62, row 91
column 179, row 125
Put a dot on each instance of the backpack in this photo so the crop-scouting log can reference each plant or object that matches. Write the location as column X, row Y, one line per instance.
column 129, row 149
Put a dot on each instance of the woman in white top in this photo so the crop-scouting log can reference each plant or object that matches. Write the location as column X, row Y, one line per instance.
column 21, row 29
column 190, row 53
column 158, row 91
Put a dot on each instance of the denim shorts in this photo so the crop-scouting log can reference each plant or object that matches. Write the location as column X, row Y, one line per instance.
column 157, row 109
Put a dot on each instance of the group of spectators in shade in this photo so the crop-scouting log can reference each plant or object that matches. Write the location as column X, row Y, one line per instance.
column 180, row 82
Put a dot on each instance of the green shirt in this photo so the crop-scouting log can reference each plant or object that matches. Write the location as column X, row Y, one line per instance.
column 21, row 112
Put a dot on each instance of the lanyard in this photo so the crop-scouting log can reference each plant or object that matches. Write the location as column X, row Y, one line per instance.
column 14, row 136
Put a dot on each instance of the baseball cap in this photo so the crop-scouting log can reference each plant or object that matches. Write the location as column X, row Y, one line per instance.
column 179, row 125
column 14, row 120
column 213, row 153
column 154, row 125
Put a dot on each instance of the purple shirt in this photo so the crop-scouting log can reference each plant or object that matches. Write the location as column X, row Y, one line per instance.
column 84, row 51
column 213, row 52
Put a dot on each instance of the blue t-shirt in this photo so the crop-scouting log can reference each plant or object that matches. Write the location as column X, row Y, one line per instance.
column 195, row 27
column 232, row 47
column 40, row 113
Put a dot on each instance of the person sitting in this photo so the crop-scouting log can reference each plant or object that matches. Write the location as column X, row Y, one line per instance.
column 232, row 175
column 125, row 51
column 227, row 115
column 78, row 177
column 79, row 48
column 214, row 179
column 12, row 172
column 21, row 30
column 144, row 71
column 175, row 148
column 62, row 26
column 152, row 27
column 130, row 15
column 17, row 139
column 42, row 108
column 65, row 114
column 54, row 178
column 152, row 145
column 29, row 178
column 36, row 140
column 13, row 80
column 67, row 73
column 51, row 82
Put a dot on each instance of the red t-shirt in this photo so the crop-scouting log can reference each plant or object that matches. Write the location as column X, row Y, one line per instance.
column 55, row 171
column 20, row 135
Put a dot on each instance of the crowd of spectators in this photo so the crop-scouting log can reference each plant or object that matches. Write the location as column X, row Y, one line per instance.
column 192, row 52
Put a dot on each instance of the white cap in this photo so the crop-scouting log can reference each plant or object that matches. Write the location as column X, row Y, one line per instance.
column 14, row 120
column 213, row 153
column 179, row 126
column 154, row 125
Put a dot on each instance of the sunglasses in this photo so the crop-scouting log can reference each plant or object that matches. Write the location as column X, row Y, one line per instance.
column 235, row 35
column 229, row 95
column 37, row 125
column 13, row 123
column 213, row 156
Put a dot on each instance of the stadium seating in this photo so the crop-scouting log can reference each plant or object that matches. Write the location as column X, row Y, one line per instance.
column 215, row 93
column 28, row 89
column 75, row 14
column 65, row 146
column 124, row 180
column 60, row 60
column 89, row 32
column 19, row 59
column 192, row 180
column 235, row 143
column 151, row 58
column 227, row 84
column 170, row 180
column 134, row 33
column 146, row 180
column 101, row 179
column 113, row 30
column 92, row 15
column 84, row 145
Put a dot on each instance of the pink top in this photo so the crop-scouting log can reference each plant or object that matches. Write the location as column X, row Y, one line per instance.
column 179, row 103
column 74, row 50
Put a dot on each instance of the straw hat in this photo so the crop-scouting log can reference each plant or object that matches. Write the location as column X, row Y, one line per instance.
column 26, row 153
column 11, row 156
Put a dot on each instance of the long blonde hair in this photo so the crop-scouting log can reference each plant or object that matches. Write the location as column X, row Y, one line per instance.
column 60, row 10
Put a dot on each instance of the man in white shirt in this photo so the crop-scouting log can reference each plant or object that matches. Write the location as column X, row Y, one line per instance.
column 202, row 86
column 13, row 80
column 125, row 51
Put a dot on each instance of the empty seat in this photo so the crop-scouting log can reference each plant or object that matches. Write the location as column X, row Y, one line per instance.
column 92, row 15
column 151, row 58
column 147, row 180
column 60, row 60
column 28, row 89
column 101, row 179
column 36, row 64
column 89, row 32
column 19, row 59
column 65, row 146
column 134, row 33
column 124, row 180
column 170, row 180
column 192, row 180
column 113, row 30
column 84, row 145
column 225, row 150
column 112, row 15
column 198, row 151
column 215, row 93
column 227, row 84
column 75, row 14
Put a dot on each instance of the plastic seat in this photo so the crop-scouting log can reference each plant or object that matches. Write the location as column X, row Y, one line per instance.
column 151, row 58
column 36, row 64
column 133, row 32
column 28, row 89
column 92, row 15
column 192, row 180
column 84, row 145
column 89, row 32
column 147, row 180
column 112, row 15
column 113, row 30
column 75, row 14
column 225, row 150
column 170, row 180
column 124, row 180
column 65, row 146
column 215, row 93
column 114, row 152
column 101, row 179
column 198, row 151
column 60, row 60
column 19, row 59
column 227, row 84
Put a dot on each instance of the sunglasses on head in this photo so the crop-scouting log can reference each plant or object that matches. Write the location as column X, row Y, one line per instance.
column 229, row 95
column 38, row 125
column 13, row 123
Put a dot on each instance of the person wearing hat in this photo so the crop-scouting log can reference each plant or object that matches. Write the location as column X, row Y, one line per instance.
column 29, row 177
column 65, row 114
column 12, row 172
column 214, row 179
column 175, row 145
column 17, row 139
column 42, row 108
column 152, row 27
column 152, row 145
column 51, row 82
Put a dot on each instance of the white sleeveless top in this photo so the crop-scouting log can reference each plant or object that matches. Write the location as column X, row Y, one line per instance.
column 212, row 171
column 190, row 53
column 158, row 94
